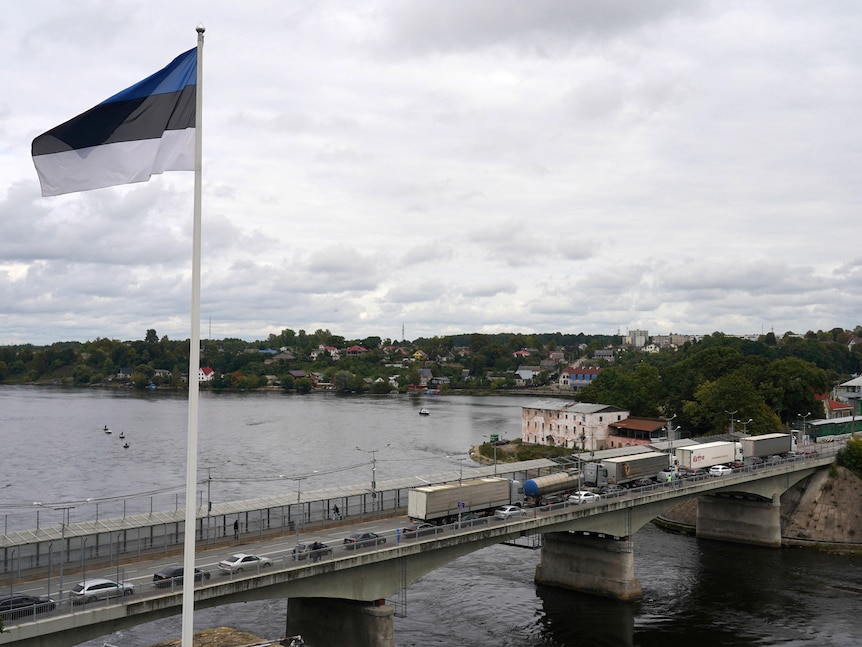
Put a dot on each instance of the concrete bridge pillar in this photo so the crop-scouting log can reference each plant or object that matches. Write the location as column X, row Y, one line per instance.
column 740, row 520
column 347, row 623
column 591, row 563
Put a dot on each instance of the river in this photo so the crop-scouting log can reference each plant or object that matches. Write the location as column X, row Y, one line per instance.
column 695, row 591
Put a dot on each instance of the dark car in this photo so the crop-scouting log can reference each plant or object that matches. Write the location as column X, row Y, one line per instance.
column 315, row 550
column 417, row 530
column 553, row 499
column 362, row 539
column 612, row 490
column 21, row 606
column 642, row 483
column 171, row 575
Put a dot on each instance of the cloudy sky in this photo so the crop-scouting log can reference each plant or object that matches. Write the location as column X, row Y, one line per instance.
column 483, row 166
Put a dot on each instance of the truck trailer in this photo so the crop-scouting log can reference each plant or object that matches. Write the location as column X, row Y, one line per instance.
column 444, row 503
column 766, row 445
column 625, row 469
column 540, row 486
column 706, row 455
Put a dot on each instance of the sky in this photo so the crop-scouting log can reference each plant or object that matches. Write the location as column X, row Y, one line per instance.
column 439, row 167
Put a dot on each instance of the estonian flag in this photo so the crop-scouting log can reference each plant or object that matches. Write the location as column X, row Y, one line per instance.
column 144, row 130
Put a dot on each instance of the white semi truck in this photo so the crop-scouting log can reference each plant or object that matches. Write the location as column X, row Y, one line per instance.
column 444, row 503
column 706, row 455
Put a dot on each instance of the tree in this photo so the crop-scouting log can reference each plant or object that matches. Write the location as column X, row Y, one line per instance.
column 708, row 411
column 851, row 456
column 151, row 336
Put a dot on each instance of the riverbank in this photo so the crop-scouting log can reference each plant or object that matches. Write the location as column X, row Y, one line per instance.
column 823, row 513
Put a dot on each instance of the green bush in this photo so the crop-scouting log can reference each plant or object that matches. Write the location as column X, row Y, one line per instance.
column 851, row 456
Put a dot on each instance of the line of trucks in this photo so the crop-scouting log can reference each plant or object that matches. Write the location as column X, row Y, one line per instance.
column 466, row 499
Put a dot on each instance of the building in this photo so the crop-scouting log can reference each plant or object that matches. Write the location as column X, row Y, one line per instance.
column 850, row 392
column 635, row 431
column 561, row 423
column 205, row 374
column 637, row 338
column 575, row 378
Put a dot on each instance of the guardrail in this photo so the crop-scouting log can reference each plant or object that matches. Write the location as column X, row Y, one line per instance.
column 308, row 556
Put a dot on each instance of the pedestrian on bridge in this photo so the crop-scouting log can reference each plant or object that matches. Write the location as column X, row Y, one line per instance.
column 336, row 514
column 236, row 529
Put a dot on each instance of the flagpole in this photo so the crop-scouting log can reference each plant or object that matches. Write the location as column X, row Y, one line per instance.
column 194, row 368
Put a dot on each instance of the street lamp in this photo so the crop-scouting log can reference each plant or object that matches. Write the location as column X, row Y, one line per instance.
column 64, row 521
column 494, row 445
column 373, row 453
column 804, row 418
column 460, row 479
column 731, row 414
column 299, row 480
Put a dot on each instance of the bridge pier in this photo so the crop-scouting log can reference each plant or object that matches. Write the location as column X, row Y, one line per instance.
column 591, row 563
column 739, row 519
column 347, row 623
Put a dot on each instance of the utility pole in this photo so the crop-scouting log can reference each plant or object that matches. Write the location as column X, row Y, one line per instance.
column 373, row 453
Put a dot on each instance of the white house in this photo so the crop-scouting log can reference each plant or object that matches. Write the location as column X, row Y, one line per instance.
column 560, row 423
column 205, row 374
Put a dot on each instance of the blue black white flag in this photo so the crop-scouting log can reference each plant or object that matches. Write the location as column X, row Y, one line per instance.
column 142, row 131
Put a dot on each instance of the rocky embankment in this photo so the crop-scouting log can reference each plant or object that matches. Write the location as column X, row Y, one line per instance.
column 823, row 512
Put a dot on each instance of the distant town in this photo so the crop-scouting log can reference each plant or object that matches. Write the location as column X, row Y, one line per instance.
column 770, row 382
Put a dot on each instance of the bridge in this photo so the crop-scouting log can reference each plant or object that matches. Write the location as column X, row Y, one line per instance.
column 586, row 547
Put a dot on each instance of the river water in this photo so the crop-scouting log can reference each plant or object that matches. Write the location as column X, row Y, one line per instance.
column 705, row 593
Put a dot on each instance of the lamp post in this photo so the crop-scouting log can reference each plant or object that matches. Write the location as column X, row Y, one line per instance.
column 460, row 479
column 373, row 453
column 209, row 469
column 731, row 414
column 494, row 445
column 64, row 521
column 299, row 480
column 804, row 418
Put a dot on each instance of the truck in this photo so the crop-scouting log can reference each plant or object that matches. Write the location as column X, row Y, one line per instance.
column 705, row 455
column 766, row 445
column 445, row 503
column 536, row 488
column 625, row 469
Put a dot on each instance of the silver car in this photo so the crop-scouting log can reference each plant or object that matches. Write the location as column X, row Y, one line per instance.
column 99, row 589
column 509, row 511
column 243, row 562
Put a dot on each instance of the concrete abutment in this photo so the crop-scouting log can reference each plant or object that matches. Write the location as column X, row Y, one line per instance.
column 740, row 519
column 590, row 563
column 347, row 623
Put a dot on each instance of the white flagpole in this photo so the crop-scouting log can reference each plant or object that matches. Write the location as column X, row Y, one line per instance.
column 194, row 368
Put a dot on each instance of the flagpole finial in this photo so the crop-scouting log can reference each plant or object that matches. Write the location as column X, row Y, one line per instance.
column 200, row 28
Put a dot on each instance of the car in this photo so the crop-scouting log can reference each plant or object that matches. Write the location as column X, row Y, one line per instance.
column 243, row 562
column 720, row 470
column 314, row 549
column 171, row 575
column 362, row 539
column 509, row 511
column 792, row 456
column 644, row 482
column 99, row 589
column 18, row 605
column 612, row 490
column 583, row 496
column 735, row 465
column 417, row 530
column 554, row 499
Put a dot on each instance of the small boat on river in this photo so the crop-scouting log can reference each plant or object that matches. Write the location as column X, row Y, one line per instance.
column 106, row 430
column 424, row 412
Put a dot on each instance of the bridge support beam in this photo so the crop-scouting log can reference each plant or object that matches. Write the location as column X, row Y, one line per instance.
column 740, row 520
column 348, row 623
column 591, row 563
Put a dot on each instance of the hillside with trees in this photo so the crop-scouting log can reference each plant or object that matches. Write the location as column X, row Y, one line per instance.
column 770, row 381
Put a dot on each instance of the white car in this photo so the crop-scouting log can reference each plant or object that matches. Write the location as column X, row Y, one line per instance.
column 243, row 562
column 720, row 470
column 99, row 589
column 509, row 511
column 583, row 496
